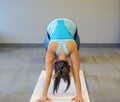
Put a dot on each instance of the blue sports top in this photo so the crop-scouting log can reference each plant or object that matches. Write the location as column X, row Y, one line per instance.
column 61, row 30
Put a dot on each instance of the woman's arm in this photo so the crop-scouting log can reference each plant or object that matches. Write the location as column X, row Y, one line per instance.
column 50, row 56
column 76, row 66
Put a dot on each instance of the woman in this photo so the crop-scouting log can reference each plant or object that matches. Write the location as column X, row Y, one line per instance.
column 62, row 44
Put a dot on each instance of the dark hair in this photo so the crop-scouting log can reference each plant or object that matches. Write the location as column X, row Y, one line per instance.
column 62, row 70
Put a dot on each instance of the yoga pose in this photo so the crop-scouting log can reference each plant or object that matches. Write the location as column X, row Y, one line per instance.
column 62, row 44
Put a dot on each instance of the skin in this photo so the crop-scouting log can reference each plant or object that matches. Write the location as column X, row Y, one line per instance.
column 73, row 60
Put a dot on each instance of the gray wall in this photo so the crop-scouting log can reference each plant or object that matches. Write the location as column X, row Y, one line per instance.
column 25, row 21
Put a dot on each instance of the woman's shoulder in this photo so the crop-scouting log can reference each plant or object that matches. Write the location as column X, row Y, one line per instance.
column 52, row 46
column 71, row 45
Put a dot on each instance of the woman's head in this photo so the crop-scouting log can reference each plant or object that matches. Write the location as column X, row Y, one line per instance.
column 62, row 70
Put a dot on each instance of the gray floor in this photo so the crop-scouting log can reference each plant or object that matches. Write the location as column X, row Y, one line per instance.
column 20, row 69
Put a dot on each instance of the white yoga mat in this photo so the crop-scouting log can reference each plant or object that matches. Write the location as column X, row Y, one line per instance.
column 60, row 97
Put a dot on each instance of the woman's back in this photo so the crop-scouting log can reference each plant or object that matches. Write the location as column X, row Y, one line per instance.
column 62, row 54
column 61, row 29
column 61, row 33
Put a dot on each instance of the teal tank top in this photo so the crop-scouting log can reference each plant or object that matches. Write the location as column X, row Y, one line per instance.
column 61, row 30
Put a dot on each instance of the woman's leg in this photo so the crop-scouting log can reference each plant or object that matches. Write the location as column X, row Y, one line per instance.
column 46, row 42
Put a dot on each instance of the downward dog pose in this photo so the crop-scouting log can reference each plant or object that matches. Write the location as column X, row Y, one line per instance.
column 62, row 44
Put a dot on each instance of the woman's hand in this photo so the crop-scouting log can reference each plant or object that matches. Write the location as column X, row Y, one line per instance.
column 44, row 99
column 77, row 99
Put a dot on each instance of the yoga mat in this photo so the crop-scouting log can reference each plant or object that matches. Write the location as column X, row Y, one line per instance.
column 60, row 96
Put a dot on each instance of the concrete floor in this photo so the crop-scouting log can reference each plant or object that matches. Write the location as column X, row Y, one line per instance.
column 21, row 67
